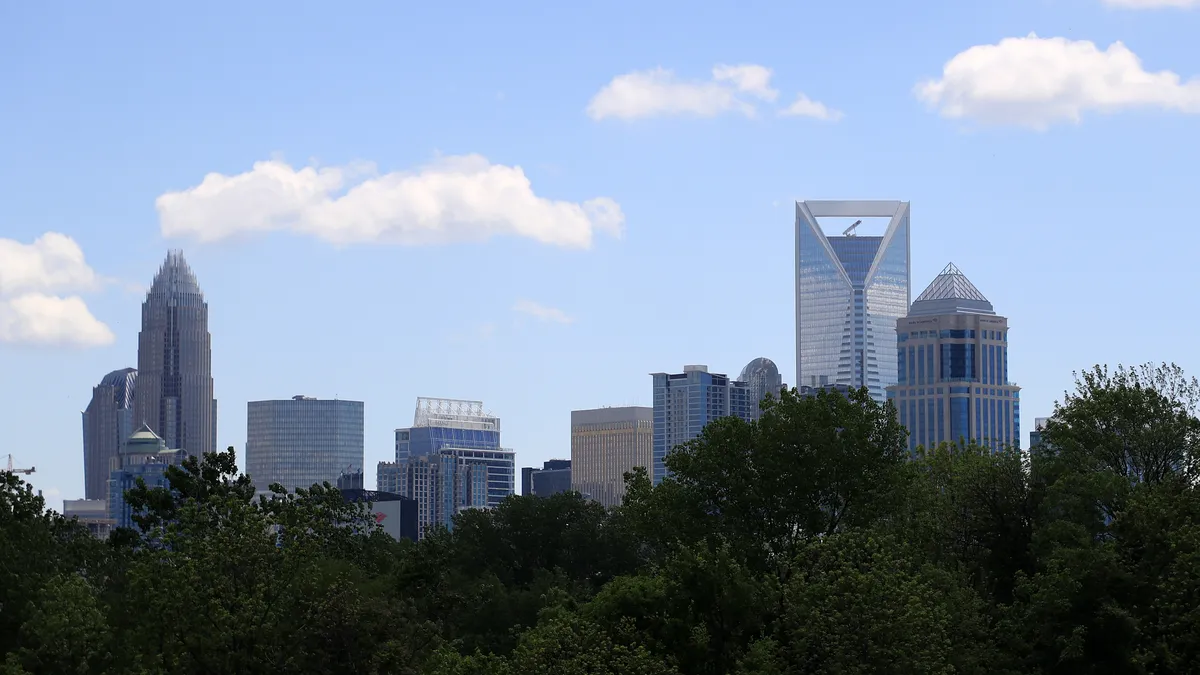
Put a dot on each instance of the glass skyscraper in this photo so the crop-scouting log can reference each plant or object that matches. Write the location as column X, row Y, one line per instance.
column 684, row 403
column 450, row 459
column 850, row 290
column 175, row 385
column 953, row 385
column 107, row 423
column 303, row 441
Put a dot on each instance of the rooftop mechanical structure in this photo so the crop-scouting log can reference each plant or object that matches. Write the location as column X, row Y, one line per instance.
column 450, row 413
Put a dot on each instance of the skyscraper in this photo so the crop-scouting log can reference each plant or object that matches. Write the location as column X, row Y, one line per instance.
column 607, row 443
column 107, row 423
column 762, row 378
column 953, row 383
column 175, row 385
column 850, row 290
column 684, row 403
column 303, row 441
column 451, row 459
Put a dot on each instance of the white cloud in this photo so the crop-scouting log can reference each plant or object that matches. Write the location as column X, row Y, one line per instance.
column 1152, row 4
column 657, row 92
column 454, row 199
column 541, row 312
column 53, row 262
column 36, row 318
column 803, row 106
column 1034, row 82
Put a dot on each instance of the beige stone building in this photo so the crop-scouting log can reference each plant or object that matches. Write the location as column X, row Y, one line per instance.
column 605, row 444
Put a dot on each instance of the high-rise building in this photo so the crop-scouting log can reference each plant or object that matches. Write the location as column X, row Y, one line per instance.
column 440, row 423
column 684, row 403
column 850, row 290
column 952, row 375
column 303, row 441
column 144, row 455
column 1035, row 436
column 762, row 377
column 552, row 478
column 175, row 385
column 607, row 443
column 107, row 422
column 450, row 459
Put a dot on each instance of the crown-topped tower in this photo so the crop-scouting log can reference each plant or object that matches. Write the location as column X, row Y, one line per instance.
column 175, row 385
column 952, row 376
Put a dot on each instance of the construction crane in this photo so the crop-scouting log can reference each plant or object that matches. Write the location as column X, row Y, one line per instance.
column 850, row 230
column 27, row 472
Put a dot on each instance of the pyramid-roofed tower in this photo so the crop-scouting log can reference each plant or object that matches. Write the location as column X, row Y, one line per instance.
column 951, row 292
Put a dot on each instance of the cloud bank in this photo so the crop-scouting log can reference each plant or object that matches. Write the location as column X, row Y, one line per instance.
column 658, row 92
column 1035, row 82
column 454, row 199
column 29, row 313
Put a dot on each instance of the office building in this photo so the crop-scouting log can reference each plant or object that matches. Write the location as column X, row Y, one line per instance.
column 684, row 403
column 303, row 441
column 761, row 376
column 145, row 455
column 91, row 513
column 175, row 385
column 850, row 291
column 952, row 356
column 395, row 514
column 1035, row 436
column 107, row 422
column 552, row 478
column 607, row 443
column 448, row 482
column 387, row 477
column 450, row 459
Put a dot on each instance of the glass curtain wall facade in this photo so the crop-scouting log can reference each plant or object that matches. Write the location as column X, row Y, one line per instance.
column 450, row 459
column 303, row 441
column 175, row 385
column 607, row 443
column 850, row 291
column 684, row 403
column 107, row 422
column 953, row 385
column 552, row 478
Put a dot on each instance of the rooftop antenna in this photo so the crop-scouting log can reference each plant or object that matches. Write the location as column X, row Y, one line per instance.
column 850, row 230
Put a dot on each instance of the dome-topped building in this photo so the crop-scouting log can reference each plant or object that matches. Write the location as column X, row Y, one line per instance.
column 761, row 377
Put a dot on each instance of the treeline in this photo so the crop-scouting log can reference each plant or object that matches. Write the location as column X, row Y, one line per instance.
column 808, row 542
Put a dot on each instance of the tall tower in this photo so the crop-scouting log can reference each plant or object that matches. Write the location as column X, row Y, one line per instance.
column 953, row 376
column 850, row 290
column 107, row 423
column 175, row 385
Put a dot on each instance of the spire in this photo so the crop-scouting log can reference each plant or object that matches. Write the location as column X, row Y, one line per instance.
column 951, row 292
column 174, row 276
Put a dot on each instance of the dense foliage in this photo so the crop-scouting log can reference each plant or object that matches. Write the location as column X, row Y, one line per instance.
column 811, row 541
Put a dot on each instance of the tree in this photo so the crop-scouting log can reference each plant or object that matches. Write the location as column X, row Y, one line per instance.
column 810, row 467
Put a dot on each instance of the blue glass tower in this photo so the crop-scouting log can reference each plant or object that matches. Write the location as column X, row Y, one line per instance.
column 684, row 403
column 850, row 290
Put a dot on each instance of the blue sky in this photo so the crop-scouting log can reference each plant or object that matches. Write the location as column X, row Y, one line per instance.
column 536, row 205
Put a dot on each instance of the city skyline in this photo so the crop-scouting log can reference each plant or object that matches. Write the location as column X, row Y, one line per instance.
column 573, row 237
